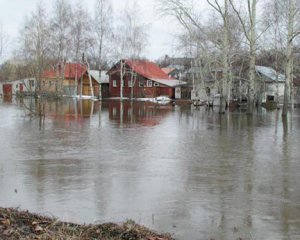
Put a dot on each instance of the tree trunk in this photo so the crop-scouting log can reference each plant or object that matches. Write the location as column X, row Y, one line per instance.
column 121, row 81
column 252, row 42
column 226, row 83
column 289, row 58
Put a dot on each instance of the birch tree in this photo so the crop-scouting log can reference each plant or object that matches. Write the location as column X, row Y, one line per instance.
column 206, row 39
column 289, row 56
column 2, row 40
column 291, row 34
column 274, row 12
column 283, row 16
column 103, row 33
column 34, row 40
column 249, row 29
column 61, row 36
column 81, row 36
column 137, row 39
column 226, row 76
column 130, row 40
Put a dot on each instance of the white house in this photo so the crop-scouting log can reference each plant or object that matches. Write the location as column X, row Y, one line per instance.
column 26, row 85
column 273, row 83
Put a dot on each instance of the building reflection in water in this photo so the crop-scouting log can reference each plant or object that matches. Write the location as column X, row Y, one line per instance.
column 133, row 112
column 69, row 112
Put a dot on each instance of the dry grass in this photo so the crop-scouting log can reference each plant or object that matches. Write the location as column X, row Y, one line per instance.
column 15, row 224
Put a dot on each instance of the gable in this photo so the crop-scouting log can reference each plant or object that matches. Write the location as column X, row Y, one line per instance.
column 144, row 68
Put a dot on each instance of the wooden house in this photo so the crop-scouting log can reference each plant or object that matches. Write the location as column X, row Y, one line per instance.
column 146, row 78
column 64, row 81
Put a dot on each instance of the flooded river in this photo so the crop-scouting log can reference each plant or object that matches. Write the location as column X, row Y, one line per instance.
column 189, row 172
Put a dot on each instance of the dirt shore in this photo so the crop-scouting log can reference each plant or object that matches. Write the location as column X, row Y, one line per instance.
column 17, row 224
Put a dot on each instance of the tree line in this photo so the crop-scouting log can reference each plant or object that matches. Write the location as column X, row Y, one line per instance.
column 234, row 37
column 50, row 38
column 238, row 35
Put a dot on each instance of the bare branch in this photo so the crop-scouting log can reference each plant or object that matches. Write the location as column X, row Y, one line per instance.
column 217, row 7
column 241, row 20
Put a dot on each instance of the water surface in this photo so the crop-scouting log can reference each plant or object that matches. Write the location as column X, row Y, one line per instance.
column 191, row 172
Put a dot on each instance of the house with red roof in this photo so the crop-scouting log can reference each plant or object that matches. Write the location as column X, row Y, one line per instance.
column 145, row 77
column 63, row 81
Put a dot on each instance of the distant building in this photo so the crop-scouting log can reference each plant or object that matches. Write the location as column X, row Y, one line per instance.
column 272, row 84
column 22, row 86
column 173, row 73
column 149, row 80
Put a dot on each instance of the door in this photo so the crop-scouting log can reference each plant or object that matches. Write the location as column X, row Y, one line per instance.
column 7, row 89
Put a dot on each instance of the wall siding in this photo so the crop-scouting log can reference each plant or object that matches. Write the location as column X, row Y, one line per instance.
column 138, row 91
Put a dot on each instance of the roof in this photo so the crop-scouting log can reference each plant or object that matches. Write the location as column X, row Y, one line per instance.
column 170, row 83
column 70, row 71
column 168, row 70
column 95, row 75
column 270, row 73
column 147, row 69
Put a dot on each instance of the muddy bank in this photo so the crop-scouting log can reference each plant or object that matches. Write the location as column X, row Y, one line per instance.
column 17, row 224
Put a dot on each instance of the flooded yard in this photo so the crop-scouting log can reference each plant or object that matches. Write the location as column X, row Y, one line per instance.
column 190, row 172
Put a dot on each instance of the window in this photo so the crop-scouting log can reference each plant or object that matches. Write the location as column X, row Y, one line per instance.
column 149, row 83
column 50, row 83
column 156, row 84
column 129, row 83
column 114, row 83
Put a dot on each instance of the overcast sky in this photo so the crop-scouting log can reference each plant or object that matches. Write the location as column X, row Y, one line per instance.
column 161, row 31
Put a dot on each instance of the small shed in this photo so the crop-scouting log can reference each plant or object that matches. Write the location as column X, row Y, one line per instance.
column 103, row 80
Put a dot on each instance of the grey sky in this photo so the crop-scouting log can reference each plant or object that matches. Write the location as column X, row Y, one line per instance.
column 161, row 31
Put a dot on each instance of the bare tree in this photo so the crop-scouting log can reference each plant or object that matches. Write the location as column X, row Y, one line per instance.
column 130, row 42
column 227, row 76
column 2, row 40
column 81, row 36
column 249, row 28
column 207, row 42
column 291, row 34
column 34, row 39
column 102, row 25
column 61, row 36
column 137, row 38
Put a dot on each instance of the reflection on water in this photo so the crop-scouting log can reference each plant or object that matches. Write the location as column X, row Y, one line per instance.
column 191, row 172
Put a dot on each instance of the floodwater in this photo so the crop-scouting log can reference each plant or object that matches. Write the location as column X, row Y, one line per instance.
column 190, row 172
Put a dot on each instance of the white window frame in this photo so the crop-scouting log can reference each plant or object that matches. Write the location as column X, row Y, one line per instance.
column 129, row 83
column 115, row 83
column 149, row 83
column 156, row 84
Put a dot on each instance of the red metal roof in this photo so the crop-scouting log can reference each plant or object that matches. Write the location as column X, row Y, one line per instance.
column 70, row 71
column 147, row 69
